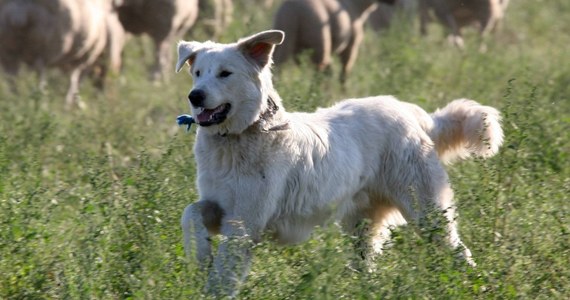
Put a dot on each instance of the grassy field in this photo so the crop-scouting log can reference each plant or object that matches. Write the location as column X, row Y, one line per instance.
column 90, row 200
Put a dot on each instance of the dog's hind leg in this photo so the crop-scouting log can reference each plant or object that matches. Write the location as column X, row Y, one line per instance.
column 199, row 218
column 358, row 227
column 372, row 231
column 361, row 225
column 386, row 217
column 426, row 199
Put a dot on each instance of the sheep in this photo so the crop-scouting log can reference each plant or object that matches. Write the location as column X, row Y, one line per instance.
column 165, row 21
column 382, row 17
column 70, row 35
column 111, row 58
column 455, row 14
column 324, row 26
column 216, row 15
column 116, row 38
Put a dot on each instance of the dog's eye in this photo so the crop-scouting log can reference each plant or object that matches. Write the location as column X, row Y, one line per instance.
column 225, row 74
column 198, row 73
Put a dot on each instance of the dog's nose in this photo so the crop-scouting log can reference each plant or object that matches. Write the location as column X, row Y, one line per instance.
column 197, row 97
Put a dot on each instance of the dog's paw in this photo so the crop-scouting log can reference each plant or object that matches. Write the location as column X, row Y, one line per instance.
column 185, row 120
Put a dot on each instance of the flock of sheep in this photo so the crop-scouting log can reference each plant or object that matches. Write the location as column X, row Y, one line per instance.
column 87, row 36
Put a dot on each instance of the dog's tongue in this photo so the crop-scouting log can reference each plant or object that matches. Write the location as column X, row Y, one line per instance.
column 207, row 114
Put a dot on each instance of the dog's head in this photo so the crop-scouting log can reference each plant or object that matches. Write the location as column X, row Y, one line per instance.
column 230, row 81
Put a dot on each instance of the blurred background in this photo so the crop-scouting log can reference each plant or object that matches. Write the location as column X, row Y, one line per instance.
column 95, row 173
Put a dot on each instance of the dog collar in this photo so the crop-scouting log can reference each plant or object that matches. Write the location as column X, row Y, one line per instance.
column 272, row 109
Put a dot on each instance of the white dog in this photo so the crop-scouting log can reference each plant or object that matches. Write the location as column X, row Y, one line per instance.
column 262, row 169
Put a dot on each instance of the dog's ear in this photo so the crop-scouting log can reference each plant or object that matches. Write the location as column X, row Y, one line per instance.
column 186, row 53
column 259, row 47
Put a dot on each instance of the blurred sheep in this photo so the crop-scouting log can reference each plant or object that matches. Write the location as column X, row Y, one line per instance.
column 325, row 27
column 455, row 14
column 71, row 35
column 111, row 59
column 165, row 21
column 266, row 3
column 382, row 17
column 216, row 15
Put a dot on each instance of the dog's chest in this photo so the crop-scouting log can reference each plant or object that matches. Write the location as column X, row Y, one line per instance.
column 230, row 155
column 294, row 228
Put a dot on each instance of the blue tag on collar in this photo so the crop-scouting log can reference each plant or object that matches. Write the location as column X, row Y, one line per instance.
column 185, row 120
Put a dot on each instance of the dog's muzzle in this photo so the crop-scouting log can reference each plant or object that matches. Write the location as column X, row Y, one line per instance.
column 206, row 117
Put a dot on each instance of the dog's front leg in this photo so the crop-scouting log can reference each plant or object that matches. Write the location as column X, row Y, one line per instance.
column 242, row 226
column 195, row 231
column 231, row 265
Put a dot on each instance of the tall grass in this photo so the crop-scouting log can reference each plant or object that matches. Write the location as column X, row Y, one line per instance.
column 90, row 200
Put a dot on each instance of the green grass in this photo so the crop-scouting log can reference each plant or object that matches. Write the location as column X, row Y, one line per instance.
column 90, row 200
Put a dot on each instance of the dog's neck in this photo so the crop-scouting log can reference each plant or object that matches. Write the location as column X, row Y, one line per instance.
column 267, row 121
column 270, row 120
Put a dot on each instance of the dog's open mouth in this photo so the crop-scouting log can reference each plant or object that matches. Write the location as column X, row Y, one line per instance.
column 207, row 117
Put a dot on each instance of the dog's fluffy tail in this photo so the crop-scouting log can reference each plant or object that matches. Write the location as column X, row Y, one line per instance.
column 466, row 128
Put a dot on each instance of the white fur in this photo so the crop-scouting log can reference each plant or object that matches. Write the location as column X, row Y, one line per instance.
column 373, row 158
